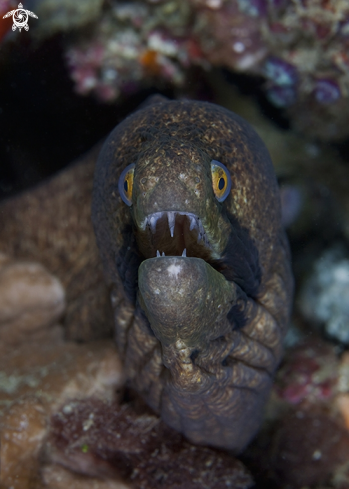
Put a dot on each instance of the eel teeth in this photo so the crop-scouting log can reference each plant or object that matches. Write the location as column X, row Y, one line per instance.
column 171, row 216
column 195, row 223
column 201, row 229
column 152, row 222
column 158, row 255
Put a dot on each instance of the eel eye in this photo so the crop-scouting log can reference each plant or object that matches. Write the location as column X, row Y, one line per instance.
column 125, row 184
column 221, row 181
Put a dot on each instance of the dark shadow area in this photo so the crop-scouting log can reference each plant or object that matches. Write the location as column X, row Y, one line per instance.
column 254, row 86
column 44, row 125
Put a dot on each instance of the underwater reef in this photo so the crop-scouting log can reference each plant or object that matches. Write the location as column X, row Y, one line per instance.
column 66, row 417
column 297, row 48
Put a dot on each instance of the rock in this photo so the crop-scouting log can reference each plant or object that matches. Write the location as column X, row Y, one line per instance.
column 305, row 440
column 64, row 15
column 324, row 299
column 61, row 239
column 311, row 450
column 57, row 477
column 31, row 299
column 106, row 440
column 342, row 400
column 36, row 377
column 309, row 374
column 55, row 371
column 23, row 429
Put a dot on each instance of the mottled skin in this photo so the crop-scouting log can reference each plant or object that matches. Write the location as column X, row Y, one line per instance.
column 200, row 336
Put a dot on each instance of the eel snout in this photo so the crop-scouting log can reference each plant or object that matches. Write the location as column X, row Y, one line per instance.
column 183, row 299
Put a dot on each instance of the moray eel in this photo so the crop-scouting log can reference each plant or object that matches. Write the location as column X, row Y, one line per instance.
column 186, row 213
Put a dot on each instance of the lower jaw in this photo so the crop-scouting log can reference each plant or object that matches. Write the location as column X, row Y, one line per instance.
column 150, row 245
column 182, row 298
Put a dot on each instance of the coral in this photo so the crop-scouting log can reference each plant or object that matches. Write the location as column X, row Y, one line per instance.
column 134, row 45
column 57, row 477
column 64, row 243
column 23, row 429
column 30, row 299
column 342, row 400
column 291, row 203
column 311, row 449
column 63, row 14
column 324, row 298
column 106, row 440
column 59, row 371
column 305, row 441
column 230, row 37
column 305, row 62
column 283, row 77
column 299, row 48
column 308, row 375
column 36, row 377
column 39, row 371
column 326, row 91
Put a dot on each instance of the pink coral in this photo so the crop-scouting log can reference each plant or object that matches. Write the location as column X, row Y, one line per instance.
column 85, row 66
column 231, row 38
column 308, row 40
column 308, row 374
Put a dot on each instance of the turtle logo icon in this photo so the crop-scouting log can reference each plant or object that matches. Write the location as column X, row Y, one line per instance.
column 20, row 18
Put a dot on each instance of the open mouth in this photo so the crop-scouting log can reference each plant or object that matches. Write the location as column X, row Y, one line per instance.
column 176, row 233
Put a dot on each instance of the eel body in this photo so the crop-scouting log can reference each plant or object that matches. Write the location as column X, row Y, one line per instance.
column 201, row 286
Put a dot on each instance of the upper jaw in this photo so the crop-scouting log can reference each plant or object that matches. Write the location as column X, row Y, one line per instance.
column 170, row 232
column 195, row 224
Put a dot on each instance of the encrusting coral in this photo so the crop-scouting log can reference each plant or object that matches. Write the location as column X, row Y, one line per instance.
column 30, row 299
column 324, row 299
column 297, row 47
column 103, row 439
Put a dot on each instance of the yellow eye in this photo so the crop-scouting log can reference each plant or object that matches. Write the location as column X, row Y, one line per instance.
column 125, row 184
column 221, row 181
